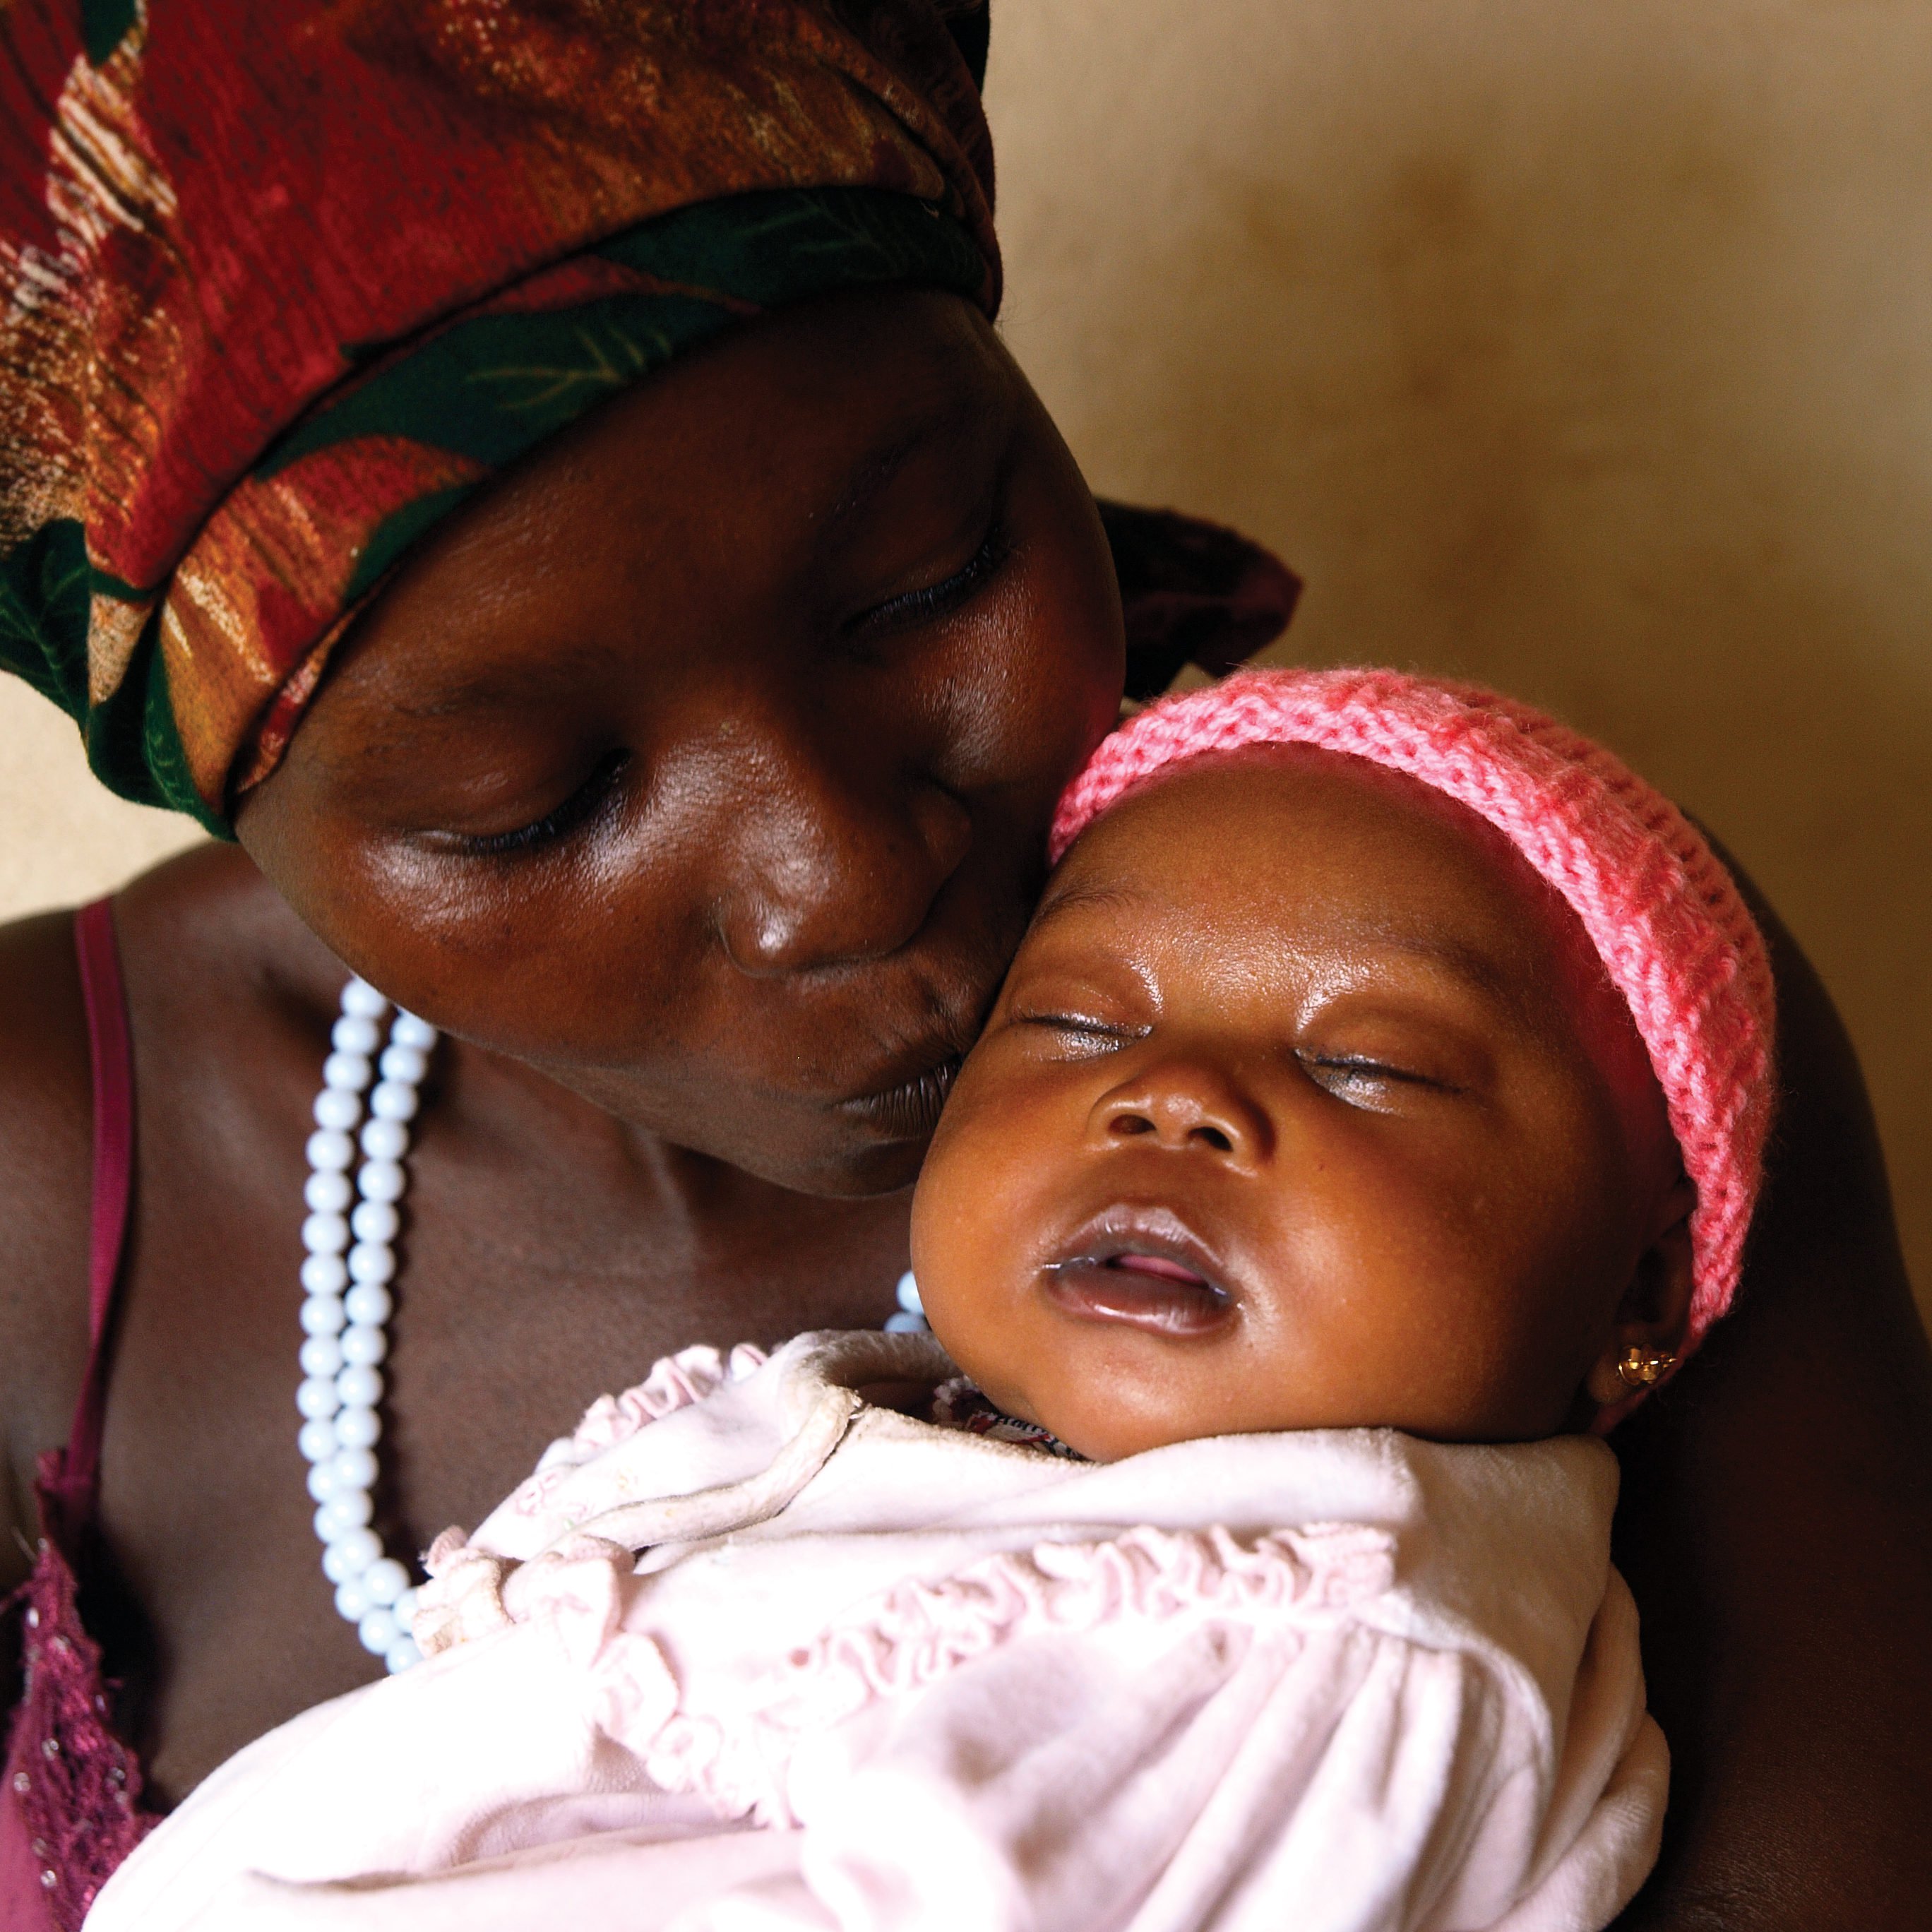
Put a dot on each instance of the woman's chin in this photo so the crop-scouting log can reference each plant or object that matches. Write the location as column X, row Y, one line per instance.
column 837, row 1160
column 859, row 1171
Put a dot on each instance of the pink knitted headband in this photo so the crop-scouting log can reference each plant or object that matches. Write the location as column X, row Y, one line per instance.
column 1664, row 914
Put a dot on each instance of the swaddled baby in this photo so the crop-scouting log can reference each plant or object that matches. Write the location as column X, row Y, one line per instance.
column 1372, row 1115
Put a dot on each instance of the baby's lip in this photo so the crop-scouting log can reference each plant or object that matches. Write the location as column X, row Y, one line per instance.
column 1144, row 1267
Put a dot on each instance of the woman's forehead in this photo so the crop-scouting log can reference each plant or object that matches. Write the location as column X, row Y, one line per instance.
column 785, row 441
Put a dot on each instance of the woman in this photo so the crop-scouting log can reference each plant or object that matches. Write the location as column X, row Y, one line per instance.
column 687, row 757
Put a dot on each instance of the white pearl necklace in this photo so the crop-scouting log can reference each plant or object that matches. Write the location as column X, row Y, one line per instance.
column 350, row 1234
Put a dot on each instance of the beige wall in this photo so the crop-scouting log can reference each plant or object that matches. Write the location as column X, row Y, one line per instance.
column 1582, row 345
column 62, row 837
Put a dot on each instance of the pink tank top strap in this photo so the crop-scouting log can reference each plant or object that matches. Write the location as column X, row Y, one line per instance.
column 111, row 1047
column 70, row 1807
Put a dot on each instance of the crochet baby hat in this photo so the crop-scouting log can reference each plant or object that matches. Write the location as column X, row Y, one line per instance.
column 1663, row 913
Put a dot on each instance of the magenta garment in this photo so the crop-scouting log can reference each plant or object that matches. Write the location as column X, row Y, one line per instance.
column 70, row 1807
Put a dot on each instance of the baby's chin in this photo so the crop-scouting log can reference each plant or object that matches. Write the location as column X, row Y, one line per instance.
column 1113, row 1439
column 1106, row 1392
column 1102, row 1432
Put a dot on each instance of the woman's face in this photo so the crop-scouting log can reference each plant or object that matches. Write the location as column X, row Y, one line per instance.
column 705, row 763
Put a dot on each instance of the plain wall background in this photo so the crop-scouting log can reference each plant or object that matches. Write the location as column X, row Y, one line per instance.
column 1581, row 346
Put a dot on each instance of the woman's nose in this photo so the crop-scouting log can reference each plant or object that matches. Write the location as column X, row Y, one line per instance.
column 1187, row 1106
column 833, row 868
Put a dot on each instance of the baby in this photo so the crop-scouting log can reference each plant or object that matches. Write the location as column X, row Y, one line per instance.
column 1372, row 1114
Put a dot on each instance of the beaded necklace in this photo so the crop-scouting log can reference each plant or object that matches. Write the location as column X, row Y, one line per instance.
column 368, row 1098
column 350, row 1236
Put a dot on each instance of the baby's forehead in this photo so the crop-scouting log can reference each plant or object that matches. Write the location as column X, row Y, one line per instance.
column 1287, row 843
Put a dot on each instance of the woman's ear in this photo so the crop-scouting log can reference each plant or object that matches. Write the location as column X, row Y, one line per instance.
column 1653, row 1314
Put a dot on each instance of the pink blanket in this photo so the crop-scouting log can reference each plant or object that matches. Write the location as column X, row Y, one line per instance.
column 867, row 1673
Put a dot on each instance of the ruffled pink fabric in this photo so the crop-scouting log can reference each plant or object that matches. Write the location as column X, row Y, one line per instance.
column 463, row 1598
column 675, row 1382
column 919, row 1633
column 1416, row 1649
column 898, row 1644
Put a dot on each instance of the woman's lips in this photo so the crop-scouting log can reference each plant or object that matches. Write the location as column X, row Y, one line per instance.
column 1145, row 1268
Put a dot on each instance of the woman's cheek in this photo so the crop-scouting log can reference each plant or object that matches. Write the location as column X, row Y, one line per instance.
column 1042, row 685
column 1040, row 693
column 1076, row 681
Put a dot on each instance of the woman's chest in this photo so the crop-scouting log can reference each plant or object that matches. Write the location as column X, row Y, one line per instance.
column 536, row 1270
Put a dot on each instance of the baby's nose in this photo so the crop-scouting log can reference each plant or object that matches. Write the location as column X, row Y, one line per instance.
column 1187, row 1107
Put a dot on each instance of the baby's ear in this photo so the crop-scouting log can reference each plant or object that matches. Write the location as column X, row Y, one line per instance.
column 1655, row 1313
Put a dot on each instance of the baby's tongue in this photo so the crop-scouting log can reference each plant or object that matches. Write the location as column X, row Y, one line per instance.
column 1154, row 1264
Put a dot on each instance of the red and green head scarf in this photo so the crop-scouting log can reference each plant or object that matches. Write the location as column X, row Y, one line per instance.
column 281, row 285
column 283, row 282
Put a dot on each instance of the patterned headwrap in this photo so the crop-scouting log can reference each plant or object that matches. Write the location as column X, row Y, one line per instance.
column 281, row 285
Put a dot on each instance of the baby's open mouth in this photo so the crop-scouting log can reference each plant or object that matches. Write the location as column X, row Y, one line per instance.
column 1143, row 1267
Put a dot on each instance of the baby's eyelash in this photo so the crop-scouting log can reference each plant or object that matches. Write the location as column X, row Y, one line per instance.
column 1098, row 1035
column 1352, row 1067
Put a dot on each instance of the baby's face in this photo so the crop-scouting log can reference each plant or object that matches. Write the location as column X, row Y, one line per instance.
column 1305, row 1104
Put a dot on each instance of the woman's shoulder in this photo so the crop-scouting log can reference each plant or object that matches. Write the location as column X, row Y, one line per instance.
column 202, row 940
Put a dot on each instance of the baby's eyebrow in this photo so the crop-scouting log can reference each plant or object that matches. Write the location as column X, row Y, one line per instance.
column 1470, row 963
column 1092, row 898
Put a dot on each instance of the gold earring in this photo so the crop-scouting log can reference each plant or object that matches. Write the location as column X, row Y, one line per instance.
column 1640, row 1367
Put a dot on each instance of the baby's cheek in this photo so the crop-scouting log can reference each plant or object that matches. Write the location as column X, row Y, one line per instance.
column 976, row 1213
column 956, row 1207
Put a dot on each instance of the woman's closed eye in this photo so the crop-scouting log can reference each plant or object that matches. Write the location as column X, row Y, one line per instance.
column 931, row 601
column 588, row 804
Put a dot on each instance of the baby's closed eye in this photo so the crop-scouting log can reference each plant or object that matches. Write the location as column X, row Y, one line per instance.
column 1079, row 1035
column 1367, row 1080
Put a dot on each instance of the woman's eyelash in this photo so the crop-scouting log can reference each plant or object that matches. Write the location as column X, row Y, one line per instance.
column 936, row 600
column 577, row 810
